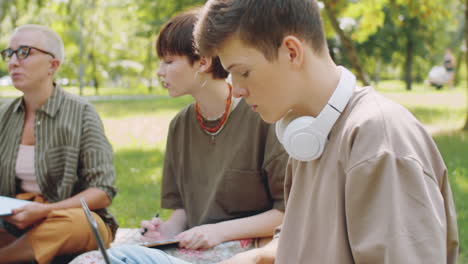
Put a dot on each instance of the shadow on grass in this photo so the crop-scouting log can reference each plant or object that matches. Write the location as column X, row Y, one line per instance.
column 127, row 108
column 139, row 186
column 433, row 115
column 454, row 149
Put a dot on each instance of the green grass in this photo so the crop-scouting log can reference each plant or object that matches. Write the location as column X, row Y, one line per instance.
column 454, row 149
column 129, row 108
column 139, row 184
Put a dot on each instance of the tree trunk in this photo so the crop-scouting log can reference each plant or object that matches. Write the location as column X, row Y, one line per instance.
column 81, row 56
column 377, row 71
column 456, row 79
column 14, row 14
column 95, row 76
column 4, row 7
column 465, row 127
column 348, row 45
column 150, row 65
column 409, row 62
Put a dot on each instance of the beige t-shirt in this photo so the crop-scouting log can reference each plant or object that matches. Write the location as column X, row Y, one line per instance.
column 25, row 171
column 240, row 175
column 378, row 194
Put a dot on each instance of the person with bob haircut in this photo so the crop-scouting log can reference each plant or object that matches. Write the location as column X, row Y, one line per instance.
column 224, row 167
column 54, row 152
column 365, row 182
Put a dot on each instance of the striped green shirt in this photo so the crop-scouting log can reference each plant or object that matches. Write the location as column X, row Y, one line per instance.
column 72, row 152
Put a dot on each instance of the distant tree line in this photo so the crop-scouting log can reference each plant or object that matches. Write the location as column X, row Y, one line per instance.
column 111, row 42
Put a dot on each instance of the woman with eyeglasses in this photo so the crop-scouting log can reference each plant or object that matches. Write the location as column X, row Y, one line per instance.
column 54, row 152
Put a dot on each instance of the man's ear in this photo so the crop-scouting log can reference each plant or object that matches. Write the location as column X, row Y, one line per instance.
column 204, row 64
column 292, row 49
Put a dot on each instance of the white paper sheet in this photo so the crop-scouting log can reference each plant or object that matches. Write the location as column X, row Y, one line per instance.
column 8, row 203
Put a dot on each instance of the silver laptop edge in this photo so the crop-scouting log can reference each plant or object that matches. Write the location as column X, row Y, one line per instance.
column 94, row 228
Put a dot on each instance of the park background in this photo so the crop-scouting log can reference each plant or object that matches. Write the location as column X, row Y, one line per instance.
column 110, row 59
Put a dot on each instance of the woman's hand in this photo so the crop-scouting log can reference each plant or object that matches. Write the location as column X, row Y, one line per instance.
column 157, row 229
column 154, row 229
column 28, row 215
column 204, row 236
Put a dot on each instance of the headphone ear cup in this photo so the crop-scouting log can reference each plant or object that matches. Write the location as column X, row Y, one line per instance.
column 280, row 126
column 302, row 140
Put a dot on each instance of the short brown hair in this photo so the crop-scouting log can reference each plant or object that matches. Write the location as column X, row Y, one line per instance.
column 261, row 24
column 176, row 38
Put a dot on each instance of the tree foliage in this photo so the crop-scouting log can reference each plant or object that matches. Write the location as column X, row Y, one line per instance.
column 111, row 42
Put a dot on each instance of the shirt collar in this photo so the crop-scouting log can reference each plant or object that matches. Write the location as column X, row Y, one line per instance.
column 51, row 106
column 18, row 105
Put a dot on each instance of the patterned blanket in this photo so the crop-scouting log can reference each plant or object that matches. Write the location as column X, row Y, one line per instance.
column 205, row 256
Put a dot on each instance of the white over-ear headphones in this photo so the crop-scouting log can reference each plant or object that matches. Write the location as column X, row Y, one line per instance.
column 305, row 137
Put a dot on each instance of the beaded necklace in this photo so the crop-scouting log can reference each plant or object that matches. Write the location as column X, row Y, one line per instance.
column 214, row 131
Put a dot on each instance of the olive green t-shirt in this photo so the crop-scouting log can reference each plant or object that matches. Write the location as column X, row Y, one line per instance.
column 240, row 174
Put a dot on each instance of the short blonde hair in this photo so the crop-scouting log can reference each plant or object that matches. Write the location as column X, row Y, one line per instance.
column 52, row 41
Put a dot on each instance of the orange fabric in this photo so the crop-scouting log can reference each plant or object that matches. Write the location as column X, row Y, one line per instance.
column 31, row 197
column 63, row 232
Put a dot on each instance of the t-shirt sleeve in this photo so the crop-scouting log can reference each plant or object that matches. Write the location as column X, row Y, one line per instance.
column 395, row 212
column 274, row 167
column 170, row 195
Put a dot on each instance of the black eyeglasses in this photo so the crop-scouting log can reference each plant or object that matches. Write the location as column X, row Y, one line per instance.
column 21, row 53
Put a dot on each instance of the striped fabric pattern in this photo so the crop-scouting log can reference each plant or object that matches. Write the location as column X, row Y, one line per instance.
column 72, row 152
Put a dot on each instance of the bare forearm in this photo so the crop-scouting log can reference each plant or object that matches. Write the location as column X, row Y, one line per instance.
column 31, row 213
column 177, row 222
column 261, row 225
column 95, row 198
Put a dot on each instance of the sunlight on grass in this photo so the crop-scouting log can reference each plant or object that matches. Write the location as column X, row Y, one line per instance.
column 129, row 108
column 398, row 86
column 138, row 130
column 439, row 115
column 139, row 180
column 460, row 180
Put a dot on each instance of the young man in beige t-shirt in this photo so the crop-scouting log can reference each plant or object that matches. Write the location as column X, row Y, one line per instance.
column 365, row 182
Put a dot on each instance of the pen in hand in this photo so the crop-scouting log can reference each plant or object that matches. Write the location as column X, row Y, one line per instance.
column 146, row 229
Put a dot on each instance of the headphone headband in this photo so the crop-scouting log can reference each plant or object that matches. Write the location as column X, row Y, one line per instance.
column 343, row 91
